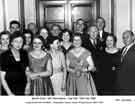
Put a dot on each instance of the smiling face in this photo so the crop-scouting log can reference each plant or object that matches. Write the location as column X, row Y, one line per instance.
column 110, row 42
column 14, row 27
column 100, row 23
column 28, row 38
column 37, row 44
column 66, row 37
column 77, row 41
column 55, row 31
column 55, row 45
column 127, row 38
column 44, row 33
column 80, row 26
column 93, row 32
column 4, row 40
column 17, row 43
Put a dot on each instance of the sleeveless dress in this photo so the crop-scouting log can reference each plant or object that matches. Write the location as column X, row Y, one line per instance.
column 82, row 84
column 57, row 77
column 41, row 85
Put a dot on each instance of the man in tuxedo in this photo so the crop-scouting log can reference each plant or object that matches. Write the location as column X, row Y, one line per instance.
column 93, row 44
column 102, row 34
column 126, row 74
column 80, row 28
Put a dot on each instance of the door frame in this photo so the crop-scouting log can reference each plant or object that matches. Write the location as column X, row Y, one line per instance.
column 68, row 22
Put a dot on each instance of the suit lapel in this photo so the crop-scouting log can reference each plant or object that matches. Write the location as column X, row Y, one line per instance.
column 129, row 50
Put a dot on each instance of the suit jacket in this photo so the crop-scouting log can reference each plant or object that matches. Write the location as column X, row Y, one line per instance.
column 104, row 36
column 95, row 50
column 126, row 75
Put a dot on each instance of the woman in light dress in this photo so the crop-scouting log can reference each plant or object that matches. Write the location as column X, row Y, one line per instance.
column 79, row 64
column 59, row 67
column 40, row 70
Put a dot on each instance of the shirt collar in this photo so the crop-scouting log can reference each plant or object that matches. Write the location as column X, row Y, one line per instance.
column 129, row 46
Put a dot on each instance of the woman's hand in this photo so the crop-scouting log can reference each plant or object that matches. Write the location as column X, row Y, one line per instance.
column 78, row 73
column 93, row 69
column 113, row 68
column 63, row 87
column 11, row 94
column 33, row 76
column 27, row 89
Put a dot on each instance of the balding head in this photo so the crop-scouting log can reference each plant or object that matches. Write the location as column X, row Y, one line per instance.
column 128, row 37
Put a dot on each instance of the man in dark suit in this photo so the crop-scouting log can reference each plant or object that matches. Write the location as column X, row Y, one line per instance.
column 102, row 34
column 93, row 44
column 126, row 74
column 80, row 28
column 14, row 25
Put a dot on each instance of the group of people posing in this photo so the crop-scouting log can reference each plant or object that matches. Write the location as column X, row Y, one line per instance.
column 61, row 62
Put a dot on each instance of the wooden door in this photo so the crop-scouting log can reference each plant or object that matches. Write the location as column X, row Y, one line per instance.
column 66, row 12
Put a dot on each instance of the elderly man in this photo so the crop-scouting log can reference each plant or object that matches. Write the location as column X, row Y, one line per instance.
column 126, row 74
column 94, row 45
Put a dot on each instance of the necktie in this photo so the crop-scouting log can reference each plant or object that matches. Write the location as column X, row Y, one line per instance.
column 124, row 53
column 94, row 43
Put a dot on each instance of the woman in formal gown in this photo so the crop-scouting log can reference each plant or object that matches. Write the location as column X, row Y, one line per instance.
column 66, row 43
column 13, row 66
column 79, row 64
column 4, row 45
column 110, row 64
column 40, row 69
column 59, row 67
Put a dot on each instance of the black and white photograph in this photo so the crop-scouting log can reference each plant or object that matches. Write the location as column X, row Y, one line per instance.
column 67, row 52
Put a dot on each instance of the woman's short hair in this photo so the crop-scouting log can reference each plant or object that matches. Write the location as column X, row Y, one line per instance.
column 64, row 31
column 52, row 39
column 77, row 35
column 27, row 32
column 4, row 32
column 114, row 38
column 40, row 38
column 15, row 35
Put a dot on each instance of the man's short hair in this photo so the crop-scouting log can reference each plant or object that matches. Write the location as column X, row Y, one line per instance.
column 15, row 22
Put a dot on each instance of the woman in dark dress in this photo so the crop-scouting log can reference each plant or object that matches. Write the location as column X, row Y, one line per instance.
column 66, row 43
column 110, row 64
column 13, row 65
column 4, row 45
